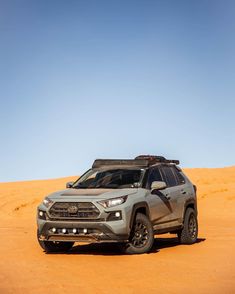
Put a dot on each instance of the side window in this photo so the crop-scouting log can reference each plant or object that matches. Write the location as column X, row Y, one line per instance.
column 179, row 177
column 169, row 176
column 154, row 175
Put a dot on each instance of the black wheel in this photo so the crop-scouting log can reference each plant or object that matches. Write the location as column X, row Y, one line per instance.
column 50, row 246
column 188, row 235
column 141, row 237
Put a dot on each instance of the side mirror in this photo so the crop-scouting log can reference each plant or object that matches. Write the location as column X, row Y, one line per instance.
column 157, row 185
column 69, row 185
column 136, row 185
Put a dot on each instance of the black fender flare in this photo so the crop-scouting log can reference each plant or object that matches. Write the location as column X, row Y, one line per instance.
column 137, row 206
column 188, row 203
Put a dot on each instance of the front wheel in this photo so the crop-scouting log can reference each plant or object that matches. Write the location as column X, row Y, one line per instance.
column 141, row 237
column 189, row 233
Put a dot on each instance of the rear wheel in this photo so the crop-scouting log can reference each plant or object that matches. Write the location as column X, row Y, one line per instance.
column 50, row 246
column 189, row 233
column 141, row 237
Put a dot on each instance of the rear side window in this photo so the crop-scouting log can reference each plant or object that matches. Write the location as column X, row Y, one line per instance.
column 153, row 175
column 179, row 177
column 169, row 176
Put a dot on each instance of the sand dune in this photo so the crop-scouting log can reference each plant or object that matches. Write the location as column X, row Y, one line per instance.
column 205, row 267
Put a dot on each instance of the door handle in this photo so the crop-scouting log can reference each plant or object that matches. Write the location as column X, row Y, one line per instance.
column 183, row 192
column 168, row 197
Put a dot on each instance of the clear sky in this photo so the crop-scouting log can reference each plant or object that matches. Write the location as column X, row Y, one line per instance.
column 81, row 80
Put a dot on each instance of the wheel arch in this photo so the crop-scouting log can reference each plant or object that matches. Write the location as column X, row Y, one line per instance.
column 190, row 203
column 141, row 207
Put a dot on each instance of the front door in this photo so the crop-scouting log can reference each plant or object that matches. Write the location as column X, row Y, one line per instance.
column 160, row 207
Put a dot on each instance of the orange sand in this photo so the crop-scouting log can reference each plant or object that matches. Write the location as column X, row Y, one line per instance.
column 205, row 267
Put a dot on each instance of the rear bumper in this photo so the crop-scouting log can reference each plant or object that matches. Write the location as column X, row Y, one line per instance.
column 94, row 232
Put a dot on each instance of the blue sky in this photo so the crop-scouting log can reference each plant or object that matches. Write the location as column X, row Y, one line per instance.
column 81, row 80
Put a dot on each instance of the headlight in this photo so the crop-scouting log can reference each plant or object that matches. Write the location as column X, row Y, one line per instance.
column 113, row 202
column 47, row 202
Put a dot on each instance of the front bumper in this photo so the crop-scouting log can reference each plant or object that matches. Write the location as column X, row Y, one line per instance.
column 85, row 232
column 102, row 228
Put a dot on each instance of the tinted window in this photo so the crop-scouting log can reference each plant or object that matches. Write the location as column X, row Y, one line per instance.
column 169, row 176
column 178, row 176
column 111, row 178
column 154, row 175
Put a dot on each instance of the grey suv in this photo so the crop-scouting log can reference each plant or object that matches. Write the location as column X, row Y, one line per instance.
column 124, row 201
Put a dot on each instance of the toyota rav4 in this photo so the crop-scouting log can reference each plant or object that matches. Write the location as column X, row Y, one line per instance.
column 125, row 201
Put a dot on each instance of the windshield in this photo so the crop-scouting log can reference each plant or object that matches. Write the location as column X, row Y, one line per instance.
column 112, row 178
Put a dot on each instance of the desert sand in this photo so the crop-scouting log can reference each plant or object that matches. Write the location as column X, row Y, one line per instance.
column 205, row 267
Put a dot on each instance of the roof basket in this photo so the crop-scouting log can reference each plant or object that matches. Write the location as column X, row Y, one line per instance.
column 152, row 159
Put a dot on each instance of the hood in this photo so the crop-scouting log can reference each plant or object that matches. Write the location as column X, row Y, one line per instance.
column 90, row 194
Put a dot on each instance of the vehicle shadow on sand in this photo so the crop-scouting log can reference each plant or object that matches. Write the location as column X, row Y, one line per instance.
column 111, row 249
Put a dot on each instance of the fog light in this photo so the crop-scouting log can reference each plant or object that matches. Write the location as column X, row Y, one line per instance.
column 53, row 230
column 117, row 214
column 84, row 231
column 114, row 216
column 63, row 231
column 74, row 231
column 41, row 214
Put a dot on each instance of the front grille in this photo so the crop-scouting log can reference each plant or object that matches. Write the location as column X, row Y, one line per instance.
column 74, row 210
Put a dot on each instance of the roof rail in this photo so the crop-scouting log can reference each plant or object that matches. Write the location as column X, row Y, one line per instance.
column 154, row 159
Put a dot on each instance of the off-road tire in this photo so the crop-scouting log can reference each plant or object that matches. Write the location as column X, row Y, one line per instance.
column 189, row 233
column 141, row 237
column 50, row 246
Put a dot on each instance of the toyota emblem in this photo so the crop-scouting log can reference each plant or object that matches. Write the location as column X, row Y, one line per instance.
column 73, row 209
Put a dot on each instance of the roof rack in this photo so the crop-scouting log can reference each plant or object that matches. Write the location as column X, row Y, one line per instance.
column 122, row 162
column 141, row 161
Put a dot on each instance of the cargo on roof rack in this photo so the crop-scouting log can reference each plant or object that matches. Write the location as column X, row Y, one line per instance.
column 141, row 161
column 154, row 158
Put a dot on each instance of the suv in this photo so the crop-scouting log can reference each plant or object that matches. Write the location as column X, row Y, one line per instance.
column 124, row 201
